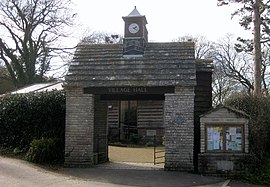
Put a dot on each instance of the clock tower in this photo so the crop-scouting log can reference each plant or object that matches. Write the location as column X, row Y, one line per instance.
column 136, row 34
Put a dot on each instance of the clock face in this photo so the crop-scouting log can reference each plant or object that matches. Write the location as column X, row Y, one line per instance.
column 133, row 28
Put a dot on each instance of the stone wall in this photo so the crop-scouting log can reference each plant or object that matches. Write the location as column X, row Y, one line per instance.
column 79, row 137
column 221, row 163
column 179, row 129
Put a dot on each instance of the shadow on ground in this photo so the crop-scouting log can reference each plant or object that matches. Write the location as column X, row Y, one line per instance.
column 131, row 174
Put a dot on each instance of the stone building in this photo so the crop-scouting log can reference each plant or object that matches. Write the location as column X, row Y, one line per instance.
column 119, row 90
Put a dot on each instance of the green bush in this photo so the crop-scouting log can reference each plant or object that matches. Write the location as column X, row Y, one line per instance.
column 44, row 151
column 17, row 151
column 150, row 144
column 258, row 109
column 258, row 164
column 259, row 175
column 135, row 138
column 24, row 117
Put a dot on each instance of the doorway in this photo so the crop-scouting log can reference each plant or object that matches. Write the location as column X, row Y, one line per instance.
column 127, row 120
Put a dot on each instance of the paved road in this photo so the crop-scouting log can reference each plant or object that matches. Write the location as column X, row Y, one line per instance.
column 17, row 173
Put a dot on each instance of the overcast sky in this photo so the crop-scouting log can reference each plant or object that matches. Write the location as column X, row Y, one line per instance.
column 167, row 20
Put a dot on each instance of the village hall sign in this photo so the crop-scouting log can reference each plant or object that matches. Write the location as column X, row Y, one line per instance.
column 129, row 90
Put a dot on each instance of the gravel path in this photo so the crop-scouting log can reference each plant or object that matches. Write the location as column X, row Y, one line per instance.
column 134, row 154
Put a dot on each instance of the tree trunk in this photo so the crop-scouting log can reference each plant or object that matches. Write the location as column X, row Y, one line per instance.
column 257, row 49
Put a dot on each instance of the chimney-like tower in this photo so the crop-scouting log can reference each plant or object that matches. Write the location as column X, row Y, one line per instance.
column 136, row 34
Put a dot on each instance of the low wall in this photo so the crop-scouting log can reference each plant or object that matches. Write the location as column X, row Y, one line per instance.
column 221, row 163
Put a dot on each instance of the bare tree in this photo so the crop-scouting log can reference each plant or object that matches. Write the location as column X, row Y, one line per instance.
column 223, row 86
column 265, row 69
column 31, row 30
column 101, row 38
column 235, row 65
column 5, row 81
column 203, row 47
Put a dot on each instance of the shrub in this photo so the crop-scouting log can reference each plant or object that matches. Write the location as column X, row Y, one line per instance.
column 135, row 138
column 258, row 164
column 24, row 117
column 150, row 144
column 259, row 175
column 258, row 109
column 44, row 151
column 17, row 151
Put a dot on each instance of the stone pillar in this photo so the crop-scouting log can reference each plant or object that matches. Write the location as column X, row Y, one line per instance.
column 79, row 136
column 179, row 129
column 100, row 131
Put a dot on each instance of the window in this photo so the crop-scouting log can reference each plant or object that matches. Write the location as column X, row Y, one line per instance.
column 224, row 138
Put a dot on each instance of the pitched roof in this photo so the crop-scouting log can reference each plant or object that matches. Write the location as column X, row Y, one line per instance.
column 163, row 64
column 205, row 65
column 235, row 111
column 134, row 13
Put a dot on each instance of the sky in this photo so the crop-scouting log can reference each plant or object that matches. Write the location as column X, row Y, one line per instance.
column 167, row 20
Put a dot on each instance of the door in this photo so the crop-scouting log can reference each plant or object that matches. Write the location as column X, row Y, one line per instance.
column 128, row 119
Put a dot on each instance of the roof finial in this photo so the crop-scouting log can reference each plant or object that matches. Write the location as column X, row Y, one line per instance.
column 134, row 12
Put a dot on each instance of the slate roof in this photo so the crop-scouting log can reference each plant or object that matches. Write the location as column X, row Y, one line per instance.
column 134, row 13
column 204, row 65
column 239, row 113
column 163, row 64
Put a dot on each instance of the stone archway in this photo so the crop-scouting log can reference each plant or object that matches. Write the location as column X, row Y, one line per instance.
column 86, row 129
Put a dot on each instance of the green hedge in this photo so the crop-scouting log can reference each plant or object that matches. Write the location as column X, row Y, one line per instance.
column 25, row 117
